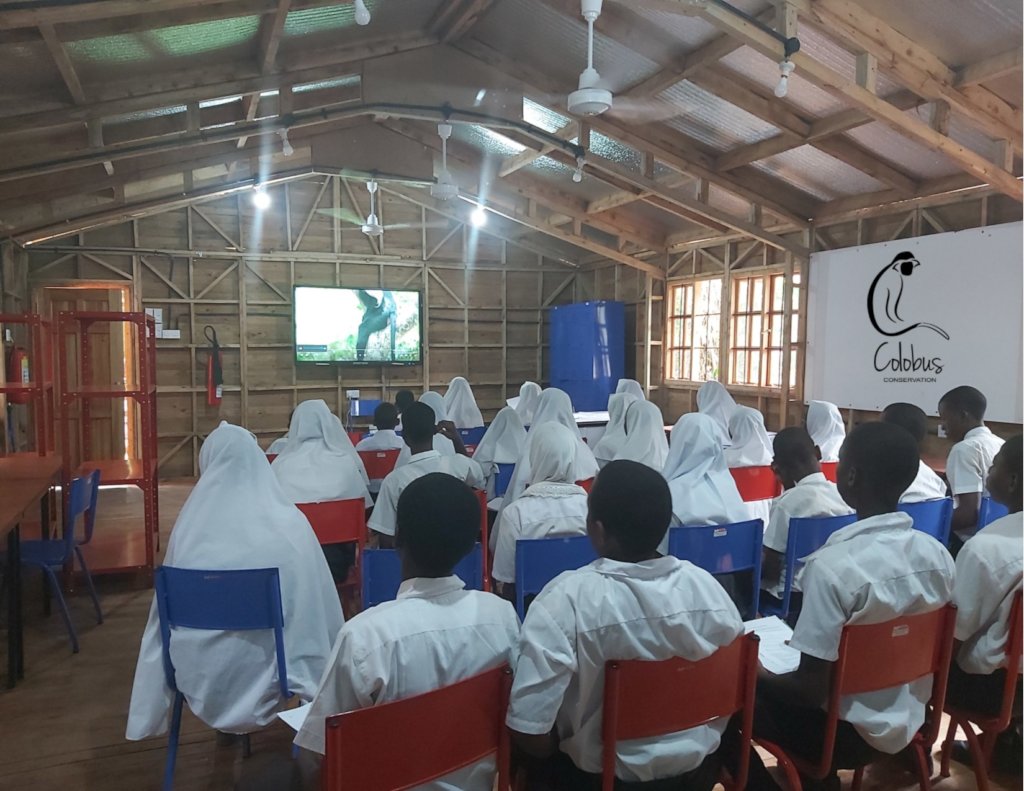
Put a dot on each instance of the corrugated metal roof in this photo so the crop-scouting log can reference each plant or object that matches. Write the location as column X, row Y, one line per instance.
column 712, row 120
column 802, row 93
column 818, row 174
column 624, row 156
column 913, row 158
column 488, row 140
column 542, row 117
column 169, row 42
column 967, row 134
column 829, row 51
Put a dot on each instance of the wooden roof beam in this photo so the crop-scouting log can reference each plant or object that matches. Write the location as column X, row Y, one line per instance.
column 271, row 28
column 511, row 164
column 456, row 18
column 989, row 68
column 35, row 14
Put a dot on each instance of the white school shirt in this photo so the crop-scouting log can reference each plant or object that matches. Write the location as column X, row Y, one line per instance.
column 654, row 610
column 988, row 573
column 383, row 439
column 544, row 510
column 385, row 511
column 926, row 486
column 969, row 460
column 442, row 445
column 814, row 496
column 433, row 635
column 873, row 571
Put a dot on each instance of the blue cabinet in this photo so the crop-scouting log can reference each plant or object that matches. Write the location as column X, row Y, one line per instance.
column 588, row 350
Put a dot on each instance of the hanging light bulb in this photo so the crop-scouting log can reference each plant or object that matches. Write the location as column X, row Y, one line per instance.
column 362, row 12
column 286, row 147
column 577, row 175
column 786, row 68
column 260, row 198
column 478, row 217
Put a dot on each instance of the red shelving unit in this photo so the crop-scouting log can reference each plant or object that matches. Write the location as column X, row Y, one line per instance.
column 40, row 389
column 79, row 395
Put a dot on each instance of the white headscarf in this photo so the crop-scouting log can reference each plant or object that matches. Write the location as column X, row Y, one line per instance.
column 615, row 433
column 703, row 490
column 503, row 441
column 436, row 402
column 554, row 406
column 238, row 518
column 825, row 425
column 631, row 386
column 751, row 446
column 645, row 436
column 529, row 395
column 461, row 406
column 319, row 462
column 552, row 462
column 714, row 401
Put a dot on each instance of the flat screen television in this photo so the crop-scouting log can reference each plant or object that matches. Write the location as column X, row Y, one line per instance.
column 357, row 326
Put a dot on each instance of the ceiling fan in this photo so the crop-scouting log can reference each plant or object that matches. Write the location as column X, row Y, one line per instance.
column 371, row 225
column 445, row 187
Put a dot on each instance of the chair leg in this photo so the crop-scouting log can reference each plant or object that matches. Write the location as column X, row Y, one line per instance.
column 858, row 778
column 923, row 775
column 172, row 741
column 947, row 747
column 65, row 614
column 988, row 746
column 246, row 746
column 88, row 581
column 977, row 758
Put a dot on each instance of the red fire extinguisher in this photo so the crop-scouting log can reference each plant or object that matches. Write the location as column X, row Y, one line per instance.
column 214, row 369
column 18, row 372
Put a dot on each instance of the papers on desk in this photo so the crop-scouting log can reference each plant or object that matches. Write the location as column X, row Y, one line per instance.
column 294, row 718
column 774, row 652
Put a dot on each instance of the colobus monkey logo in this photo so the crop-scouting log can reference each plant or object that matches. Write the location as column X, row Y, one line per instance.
column 884, row 298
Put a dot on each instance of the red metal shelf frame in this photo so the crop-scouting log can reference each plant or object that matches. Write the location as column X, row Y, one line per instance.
column 41, row 389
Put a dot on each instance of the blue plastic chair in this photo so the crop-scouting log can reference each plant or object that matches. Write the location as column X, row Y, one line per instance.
column 502, row 478
column 990, row 511
column 933, row 517
column 540, row 560
column 236, row 600
column 472, row 436
column 53, row 555
column 722, row 549
column 805, row 536
column 382, row 574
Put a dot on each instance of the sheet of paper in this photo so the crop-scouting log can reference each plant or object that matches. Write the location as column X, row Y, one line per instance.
column 294, row 718
column 774, row 652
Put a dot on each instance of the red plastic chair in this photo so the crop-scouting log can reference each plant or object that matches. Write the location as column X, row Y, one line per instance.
column 878, row 656
column 586, row 484
column 645, row 699
column 828, row 468
column 756, row 483
column 481, row 496
column 378, row 463
column 440, row 732
column 340, row 522
column 271, row 457
column 981, row 749
column 355, row 437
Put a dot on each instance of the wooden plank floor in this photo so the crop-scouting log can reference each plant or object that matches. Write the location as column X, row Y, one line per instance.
column 62, row 728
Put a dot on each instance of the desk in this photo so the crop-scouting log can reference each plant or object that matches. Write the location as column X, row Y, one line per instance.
column 25, row 478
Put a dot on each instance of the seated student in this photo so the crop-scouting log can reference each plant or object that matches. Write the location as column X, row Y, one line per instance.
column 446, row 440
column 615, row 432
column 750, row 447
column 552, row 505
column 631, row 603
column 434, row 634
column 460, row 404
column 631, row 387
column 418, row 434
column 826, row 427
column 645, row 436
column 237, row 517
column 503, row 443
column 927, row 485
column 806, row 495
column 872, row 571
column 403, row 398
column 714, row 401
column 526, row 405
column 385, row 418
column 988, row 574
column 962, row 413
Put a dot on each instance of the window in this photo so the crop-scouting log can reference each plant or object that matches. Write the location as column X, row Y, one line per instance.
column 756, row 346
column 694, row 330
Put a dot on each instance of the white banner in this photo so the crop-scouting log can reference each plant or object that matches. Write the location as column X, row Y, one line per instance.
column 911, row 319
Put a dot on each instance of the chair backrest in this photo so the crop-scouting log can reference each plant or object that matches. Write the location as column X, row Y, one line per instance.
column 355, row 436
column 646, row 699
column 271, row 457
column 1014, row 638
column 82, row 499
column 337, row 521
column 440, row 731
column 220, row 600
column 722, row 549
column 485, row 536
column 502, row 478
column 756, row 483
column 878, row 656
column 382, row 574
column 540, row 560
column 379, row 463
column 828, row 469
column 990, row 511
column 471, row 436
column 586, row 484
column 805, row 536
column 933, row 517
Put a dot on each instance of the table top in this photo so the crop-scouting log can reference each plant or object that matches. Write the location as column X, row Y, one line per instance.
column 27, row 466
column 24, row 478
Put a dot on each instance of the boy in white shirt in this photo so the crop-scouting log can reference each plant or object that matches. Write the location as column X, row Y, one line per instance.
column 988, row 574
column 962, row 412
column 385, row 418
column 807, row 495
column 631, row 603
column 434, row 634
column 875, row 570
column 418, row 433
column 927, row 485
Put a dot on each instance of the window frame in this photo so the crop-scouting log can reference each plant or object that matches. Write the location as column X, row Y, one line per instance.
column 671, row 317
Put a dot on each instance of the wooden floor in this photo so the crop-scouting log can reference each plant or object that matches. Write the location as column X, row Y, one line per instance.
column 62, row 728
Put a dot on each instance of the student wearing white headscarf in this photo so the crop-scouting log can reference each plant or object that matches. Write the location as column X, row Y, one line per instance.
column 714, row 401
column 554, row 406
column 442, row 444
column 615, row 432
column 703, row 491
column 502, row 443
column 552, row 505
column 751, row 446
column 237, row 517
column 632, row 387
column 529, row 397
column 460, row 404
column 645, row 436
column 318, row 462
column 826, row 427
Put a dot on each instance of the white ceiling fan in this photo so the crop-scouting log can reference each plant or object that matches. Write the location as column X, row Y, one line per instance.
column 371, row 225
column 445, row 187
